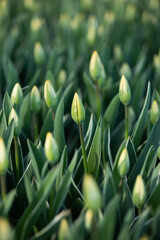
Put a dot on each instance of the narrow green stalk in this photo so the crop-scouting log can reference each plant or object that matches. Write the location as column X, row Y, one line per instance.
column 83, row 149
column 127, row 126
column 51, row 205
column 53, row 114
column 16, row 158
column 139, row 211
column 35, row 127
column 98, row 100
column 3, row 186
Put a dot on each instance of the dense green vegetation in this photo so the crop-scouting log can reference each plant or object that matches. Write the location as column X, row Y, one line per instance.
column 79, row 119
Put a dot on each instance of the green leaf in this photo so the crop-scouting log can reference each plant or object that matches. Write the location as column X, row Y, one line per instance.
column 107, row 156
column 126, row 225
column 10, row 72
column 62, row 167
column 46, row 232
column 47, row 126
column 131, row 153
column 8, row 201
column 108, row 223
column 153, row 140
column 91, row 90
column 33, row 211
column 3, row 123
column 8, row 135
column 7, row 105
column 153, row 200
column 138, row 228
column 109, row 190
column 64, row 187
column 25, row 113
column 155, row 178
column 37, row 159
column 111, row 112
column 59, row 126
column 140, row 125
column 95, row 150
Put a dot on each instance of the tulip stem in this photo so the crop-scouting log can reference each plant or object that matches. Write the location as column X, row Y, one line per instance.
column 83, row 149
column 3, row 187
column 126, row 117
column 35, row 127
column 98, row 100
column 53, row 114
column 139, row 211
column 16, row 158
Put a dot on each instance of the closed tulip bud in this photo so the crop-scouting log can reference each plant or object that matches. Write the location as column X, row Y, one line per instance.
column 96, row 68
column 4, row 160
column 123, row 163
column 6, row 232
column 13, row 115
column 35, row 100
column 89, row 220
column 39, row 54
column 124, row 91
column 51, row 148
column 50, row 95
column 17, row 95
column 77, row 109
column 91, row 193
column 63, row 232
column 154, row 113
column 139, row 192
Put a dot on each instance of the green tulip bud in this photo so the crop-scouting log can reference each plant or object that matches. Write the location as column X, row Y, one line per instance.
column 91, row 193
column 17, row 95
column 89, row 220
column 4, row 160
column 50, row 95
column 6, row 232
column 63, row 232
column 126, row 70
column 35, row 100
column 139, row 192
column 39, row 54
column 51, row 148
column 77, row 109
column 96, row 68
column 123, row 163
column 61, row 78
column 13, row 115
column 124, row 91
column 154, row 113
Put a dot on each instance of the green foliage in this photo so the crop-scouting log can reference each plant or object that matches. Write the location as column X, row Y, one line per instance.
column 46, row 57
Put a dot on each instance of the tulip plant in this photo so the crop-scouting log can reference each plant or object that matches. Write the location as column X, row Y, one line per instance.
column 79, row 120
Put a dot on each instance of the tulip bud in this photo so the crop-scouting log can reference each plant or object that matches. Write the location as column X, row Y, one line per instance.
column 89, row 220
column 39, row 54
column 51, row 148
column 13, row 115
column 96, row 68
column 63, row 230
column 17, row 95
column 4, row 161
column 91, row 193
column 139, row 192
column 124, row 91
column 154, row 113
column 77, row 109
column 35, row 100
column 123, row 163
column 61, row 78
column 50, row 95
column 6, row 232
column 126, row 70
